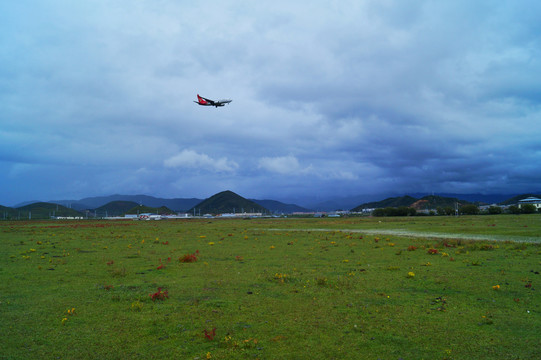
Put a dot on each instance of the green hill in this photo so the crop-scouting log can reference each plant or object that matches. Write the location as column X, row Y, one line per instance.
column 424, row 203
column 434, row 202
column 43, row 210
column 389, row 202
column 226, row 202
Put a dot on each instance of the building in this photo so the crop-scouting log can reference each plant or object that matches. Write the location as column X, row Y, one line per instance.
column 530, row 200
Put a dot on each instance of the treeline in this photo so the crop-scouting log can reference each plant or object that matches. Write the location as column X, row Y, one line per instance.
column 524, row 209
column 395, row 211
column 469, row 209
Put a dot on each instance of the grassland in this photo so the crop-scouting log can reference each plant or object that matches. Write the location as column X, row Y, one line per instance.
column 272, row 289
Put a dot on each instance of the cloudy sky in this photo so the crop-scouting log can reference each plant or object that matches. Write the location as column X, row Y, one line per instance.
column 330, row 98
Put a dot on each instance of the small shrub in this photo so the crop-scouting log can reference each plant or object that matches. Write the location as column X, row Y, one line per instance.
column 159, row 295
column 189, row 258
column 210, row 334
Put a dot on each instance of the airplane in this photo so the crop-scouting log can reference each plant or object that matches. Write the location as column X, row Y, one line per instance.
column 207, row 102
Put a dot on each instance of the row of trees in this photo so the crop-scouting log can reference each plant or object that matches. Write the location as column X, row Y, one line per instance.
column 495, row 210
column 469, row 209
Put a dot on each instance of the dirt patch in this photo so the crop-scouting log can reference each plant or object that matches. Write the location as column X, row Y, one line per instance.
column 409, row 233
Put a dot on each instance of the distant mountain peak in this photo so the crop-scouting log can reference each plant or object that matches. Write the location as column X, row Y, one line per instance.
column 227, row 202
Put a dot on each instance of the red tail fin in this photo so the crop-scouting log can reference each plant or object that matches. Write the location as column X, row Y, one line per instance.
column 201, row 100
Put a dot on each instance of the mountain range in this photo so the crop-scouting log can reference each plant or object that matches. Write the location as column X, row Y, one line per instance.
column 117, row 205
column 38, row 210
column 178, row 204
column 228, row 201
column 287, row 206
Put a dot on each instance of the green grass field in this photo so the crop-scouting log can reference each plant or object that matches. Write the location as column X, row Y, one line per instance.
column 272, row 289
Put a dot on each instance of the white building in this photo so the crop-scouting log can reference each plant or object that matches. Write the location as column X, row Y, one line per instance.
column 530, row 200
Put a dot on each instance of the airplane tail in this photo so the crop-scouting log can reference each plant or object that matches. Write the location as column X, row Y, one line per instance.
column 201, row 100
